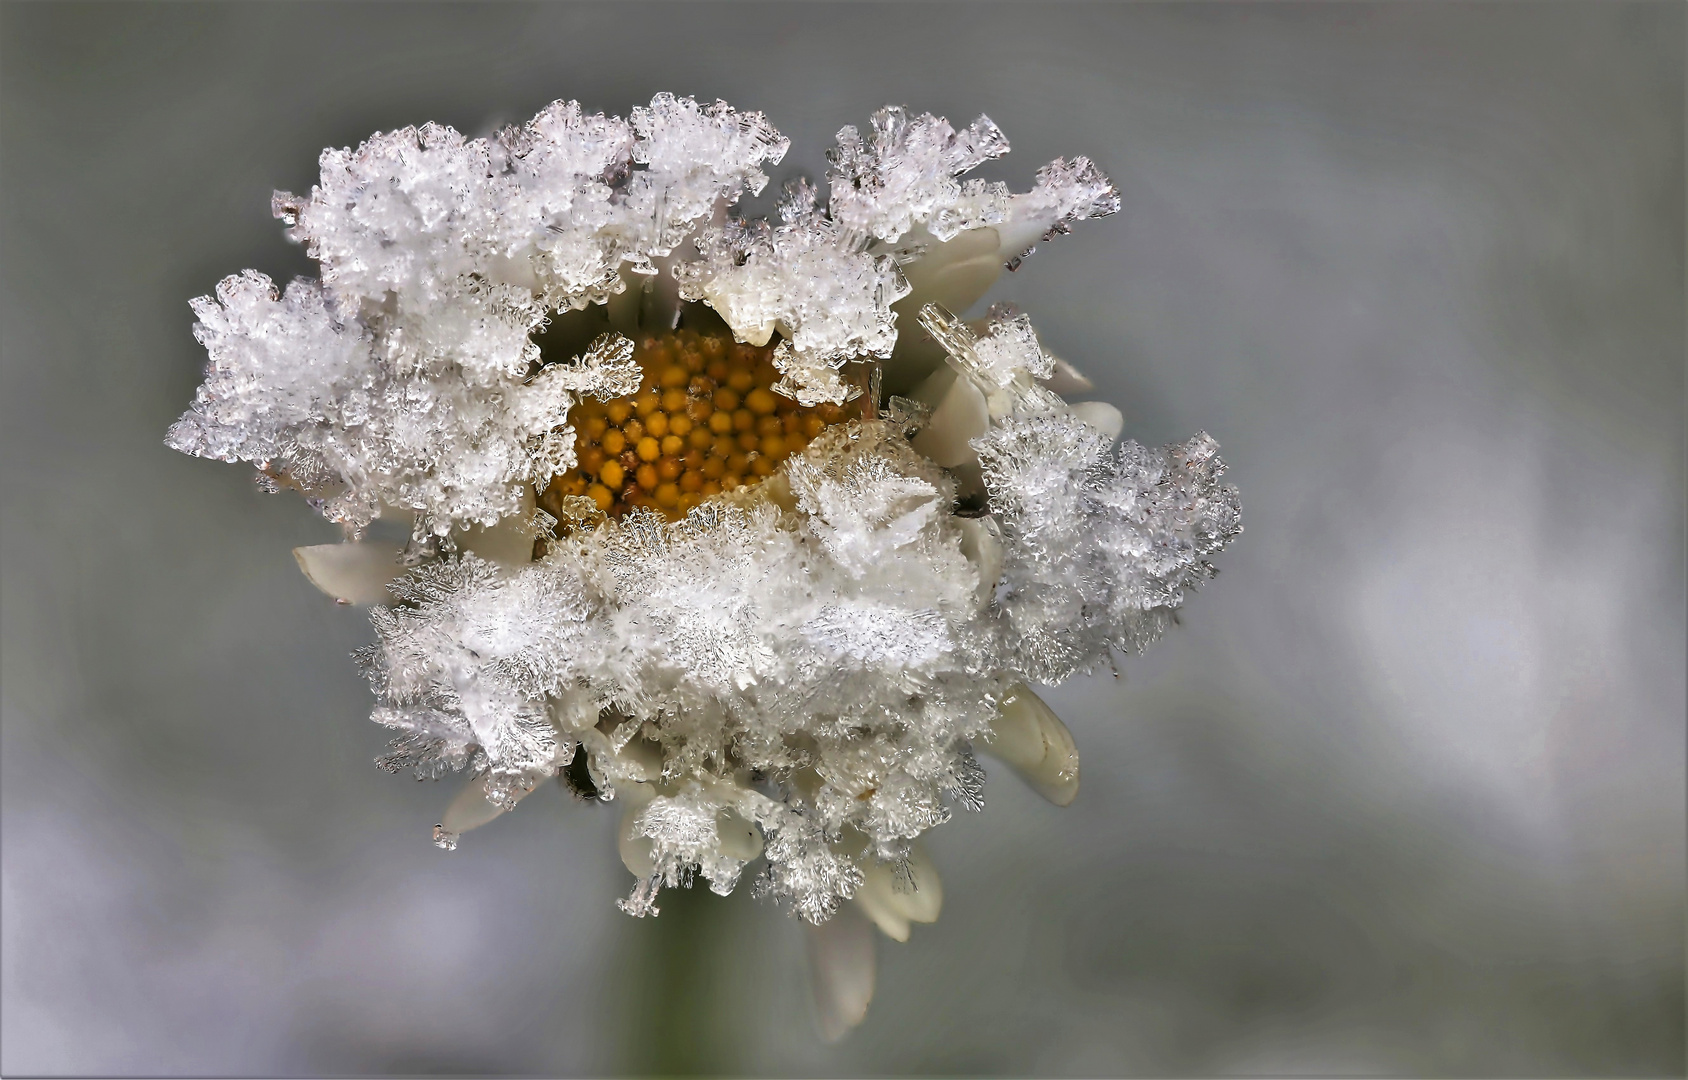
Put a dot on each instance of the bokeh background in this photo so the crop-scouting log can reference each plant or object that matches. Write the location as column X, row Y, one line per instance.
column 1404, row 794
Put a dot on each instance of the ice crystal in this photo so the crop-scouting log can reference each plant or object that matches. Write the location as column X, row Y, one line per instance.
column 787, row 660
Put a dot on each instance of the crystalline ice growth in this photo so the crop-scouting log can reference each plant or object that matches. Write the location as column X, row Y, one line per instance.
column 672, row 542
column 398, row 379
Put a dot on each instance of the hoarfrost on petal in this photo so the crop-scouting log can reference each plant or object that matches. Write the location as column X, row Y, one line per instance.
column 797, row 670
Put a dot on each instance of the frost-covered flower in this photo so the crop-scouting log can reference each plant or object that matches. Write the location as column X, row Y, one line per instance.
column 699, row 520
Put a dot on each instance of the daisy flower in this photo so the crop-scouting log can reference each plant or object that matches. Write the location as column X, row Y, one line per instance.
column 732, row 522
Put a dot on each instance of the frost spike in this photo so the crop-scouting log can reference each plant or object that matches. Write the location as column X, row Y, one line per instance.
column 351, row 573
column 1030, row 739
column 841, row 972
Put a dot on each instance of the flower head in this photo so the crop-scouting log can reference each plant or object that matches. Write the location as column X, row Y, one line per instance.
column 731, row 521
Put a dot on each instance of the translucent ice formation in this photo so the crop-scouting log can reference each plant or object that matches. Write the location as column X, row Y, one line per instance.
column 673, row 541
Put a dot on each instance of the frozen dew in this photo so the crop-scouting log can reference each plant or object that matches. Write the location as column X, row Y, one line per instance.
column 670, row 541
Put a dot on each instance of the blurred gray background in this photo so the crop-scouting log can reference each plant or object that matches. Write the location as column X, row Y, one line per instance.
column 1404, row 794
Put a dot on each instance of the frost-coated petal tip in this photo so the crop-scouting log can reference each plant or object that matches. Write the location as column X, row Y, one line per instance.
column 841, row 972
column 470, row 809
column 351, row 573
column 635, row 848
column 878, row 901
column 1068, row 380
column 1029, row 738
column 895, row 897
column 1101, row 416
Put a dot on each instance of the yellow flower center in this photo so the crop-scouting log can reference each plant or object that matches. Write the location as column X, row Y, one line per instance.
column 705, row 420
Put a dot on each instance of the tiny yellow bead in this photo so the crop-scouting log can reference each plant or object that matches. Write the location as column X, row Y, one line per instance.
column 760, row 401
column 648, row 449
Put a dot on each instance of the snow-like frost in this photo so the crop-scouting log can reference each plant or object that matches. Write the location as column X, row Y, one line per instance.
column 796, row 673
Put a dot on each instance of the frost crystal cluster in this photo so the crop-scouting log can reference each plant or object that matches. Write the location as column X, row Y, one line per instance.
column 729, row 520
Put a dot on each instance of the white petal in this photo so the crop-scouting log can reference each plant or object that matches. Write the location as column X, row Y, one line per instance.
column 955, row 273
column 877, row 899
column 469, row 810
column 959, row 413
column 1101, row 416
column 739, row 839
column 892, row 907
column 1068, row 380
column 841, row 972
column 982, row 544
column 636, row 850
column 922, row 903
column 1014, row 237
column 351, row 573
column 1029, row 738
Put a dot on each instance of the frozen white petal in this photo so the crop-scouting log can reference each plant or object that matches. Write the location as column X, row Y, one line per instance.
column 981, row 542
column 351, row 573
column 959, row 415
column 1028, row 737
column 471, row 808
column 637, row 850
column 1067, row 380
column 876, row 899
column 841, row 972
column 1101, row 416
